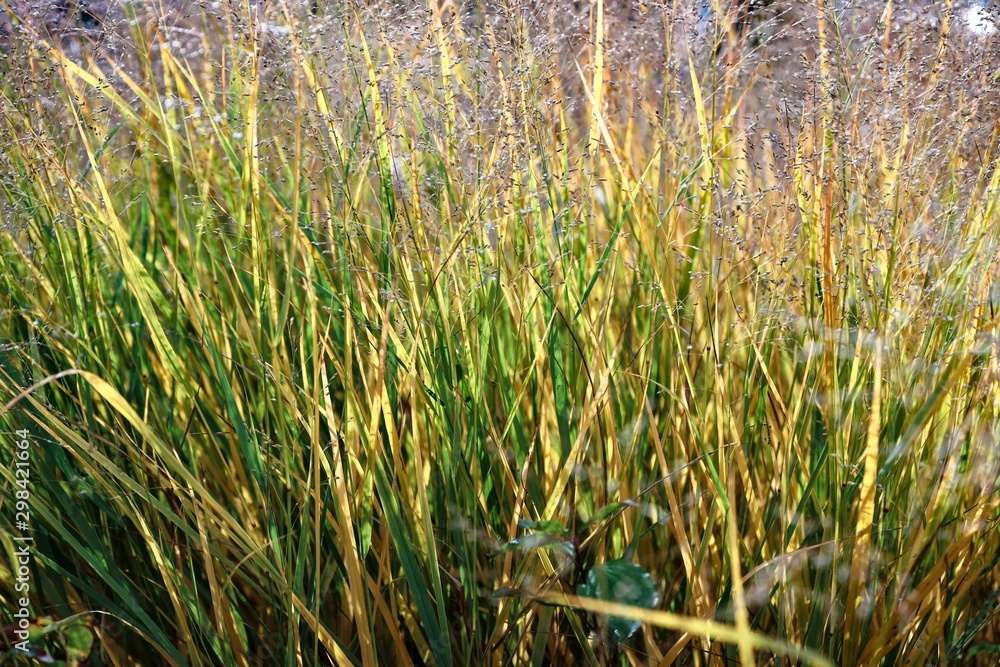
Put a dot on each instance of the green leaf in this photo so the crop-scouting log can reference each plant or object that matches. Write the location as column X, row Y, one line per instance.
column 47, row 639
column 548, row 534
column 979, row 621
column 548, row 526
column 624, row 583
column 78, row 641
column 438, row 637
column 539, row 541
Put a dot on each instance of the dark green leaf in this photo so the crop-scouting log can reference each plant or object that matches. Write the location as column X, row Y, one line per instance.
column 624, row 583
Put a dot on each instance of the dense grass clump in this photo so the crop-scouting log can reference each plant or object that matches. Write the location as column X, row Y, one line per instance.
column 371, row 334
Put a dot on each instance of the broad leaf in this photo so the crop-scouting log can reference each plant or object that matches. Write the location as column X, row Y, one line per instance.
column 622, row 582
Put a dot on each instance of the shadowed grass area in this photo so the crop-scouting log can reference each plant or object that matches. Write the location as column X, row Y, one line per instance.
column 360, row 335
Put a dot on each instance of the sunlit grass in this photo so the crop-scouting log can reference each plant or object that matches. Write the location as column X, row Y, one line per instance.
column 344, row 301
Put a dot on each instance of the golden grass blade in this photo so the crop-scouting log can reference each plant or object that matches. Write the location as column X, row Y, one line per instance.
column 861, row 554
column 695, row 626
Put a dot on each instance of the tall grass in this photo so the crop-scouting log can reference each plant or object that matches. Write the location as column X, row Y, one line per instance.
column 359, row 334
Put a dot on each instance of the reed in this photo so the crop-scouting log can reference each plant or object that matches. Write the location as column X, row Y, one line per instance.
column 365, row 334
